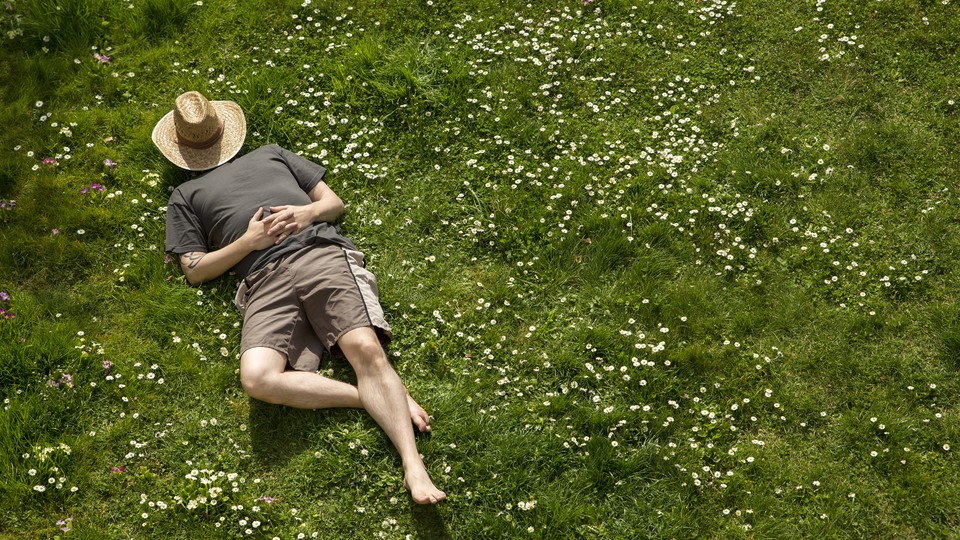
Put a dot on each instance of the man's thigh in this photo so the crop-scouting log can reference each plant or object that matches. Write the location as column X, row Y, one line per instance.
column 273, row 318
column 338, row 295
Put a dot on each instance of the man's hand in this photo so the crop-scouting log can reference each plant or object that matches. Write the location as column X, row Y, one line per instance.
column 288, row 220
column 260, row 233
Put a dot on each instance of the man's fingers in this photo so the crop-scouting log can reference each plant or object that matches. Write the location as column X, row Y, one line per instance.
column 276, row 217
column 282, row 212
column 281, row 227
column 281, row 222
column 272, row 218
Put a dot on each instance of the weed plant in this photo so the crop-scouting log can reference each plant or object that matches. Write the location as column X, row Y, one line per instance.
column 664, row 269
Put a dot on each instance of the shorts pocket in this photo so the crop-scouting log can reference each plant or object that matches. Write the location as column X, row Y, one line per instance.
column 251, row 283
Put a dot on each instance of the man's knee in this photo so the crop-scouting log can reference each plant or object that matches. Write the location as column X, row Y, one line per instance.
column 255, row 383
column 371, row 350
column 362, row 348
column 258, row 369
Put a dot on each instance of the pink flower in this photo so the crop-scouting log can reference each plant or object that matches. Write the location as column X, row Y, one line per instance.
column 101, row 58
column 64, row 524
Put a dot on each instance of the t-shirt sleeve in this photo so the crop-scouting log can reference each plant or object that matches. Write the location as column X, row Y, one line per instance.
column 307, row 173
column 184, row 232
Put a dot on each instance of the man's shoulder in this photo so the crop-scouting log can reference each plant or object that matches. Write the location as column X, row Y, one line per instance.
column 243, row 162
column 266, row 149
column 267, row 152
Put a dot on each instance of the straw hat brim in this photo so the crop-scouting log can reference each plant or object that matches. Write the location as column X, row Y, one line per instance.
column 194, row 159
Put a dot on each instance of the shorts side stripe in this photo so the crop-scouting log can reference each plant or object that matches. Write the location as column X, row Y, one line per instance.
column 363, row 299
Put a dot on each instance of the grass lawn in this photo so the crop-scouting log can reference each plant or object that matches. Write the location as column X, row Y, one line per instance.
column 659, row 269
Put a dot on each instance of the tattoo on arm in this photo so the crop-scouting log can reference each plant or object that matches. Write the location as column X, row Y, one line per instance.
column 192, row 259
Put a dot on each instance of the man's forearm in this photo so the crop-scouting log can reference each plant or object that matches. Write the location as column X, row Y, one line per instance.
column 326, row 210
column 326, row 205
column 201, row 267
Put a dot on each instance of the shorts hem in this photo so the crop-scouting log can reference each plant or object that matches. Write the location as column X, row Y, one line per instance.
column 282, row 352
column 384, row 336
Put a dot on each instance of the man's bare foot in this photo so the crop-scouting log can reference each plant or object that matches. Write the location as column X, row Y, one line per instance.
column 422, row 490
column 419, row 416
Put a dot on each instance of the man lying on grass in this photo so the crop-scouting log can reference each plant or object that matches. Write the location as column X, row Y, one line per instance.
column 303, row 289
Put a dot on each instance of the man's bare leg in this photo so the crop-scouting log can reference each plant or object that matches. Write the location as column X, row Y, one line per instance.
column 264, row 377
column 384, row 397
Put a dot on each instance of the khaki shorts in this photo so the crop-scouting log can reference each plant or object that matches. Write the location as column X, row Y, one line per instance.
column 303, row 303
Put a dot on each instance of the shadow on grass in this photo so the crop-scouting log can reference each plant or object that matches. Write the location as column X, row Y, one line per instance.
column 429, row 521
column 278, row 433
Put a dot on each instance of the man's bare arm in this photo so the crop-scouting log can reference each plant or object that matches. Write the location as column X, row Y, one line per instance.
column 192, row 259
column 200, row 267
column 326, row 203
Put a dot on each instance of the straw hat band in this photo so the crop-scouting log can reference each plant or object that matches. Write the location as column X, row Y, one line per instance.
column 201, row 145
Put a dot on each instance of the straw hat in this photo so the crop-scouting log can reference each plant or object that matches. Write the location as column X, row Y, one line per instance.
column 198, row 134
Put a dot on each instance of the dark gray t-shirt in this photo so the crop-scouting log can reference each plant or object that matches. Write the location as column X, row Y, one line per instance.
column 213, row 210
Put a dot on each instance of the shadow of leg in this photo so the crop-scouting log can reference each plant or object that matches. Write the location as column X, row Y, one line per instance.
column 277, row 433
column 429, row 522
